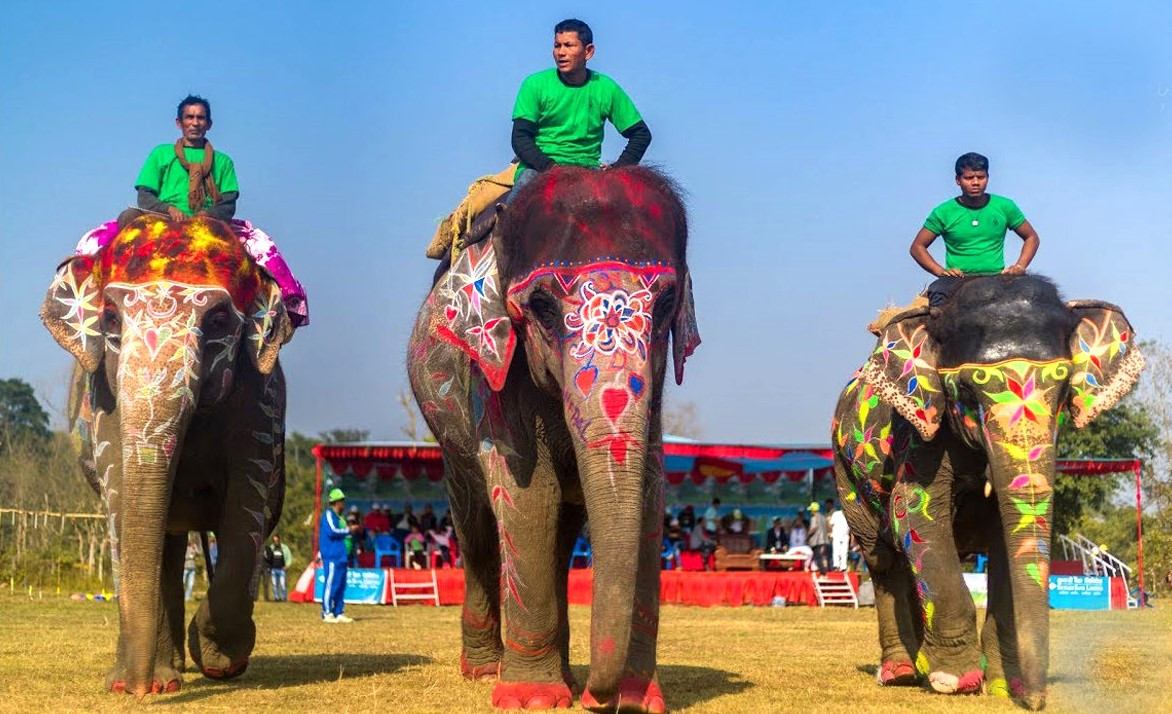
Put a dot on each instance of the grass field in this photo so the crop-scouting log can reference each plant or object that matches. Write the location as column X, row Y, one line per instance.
column 54, row 653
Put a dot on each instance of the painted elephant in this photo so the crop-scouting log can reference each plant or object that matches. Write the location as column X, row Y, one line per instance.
column 944, row 443
column 538, row 363
column 178, row 405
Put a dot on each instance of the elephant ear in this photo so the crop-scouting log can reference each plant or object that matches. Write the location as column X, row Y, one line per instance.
column 1106, row 360
column 72, row 311
column 902, row 371
column 471, row 312
column 685, row 334
column 268, row 327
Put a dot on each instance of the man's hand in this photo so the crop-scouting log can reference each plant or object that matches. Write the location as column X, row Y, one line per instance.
column 175, row 214
column 950, row 273
column 1015, row 269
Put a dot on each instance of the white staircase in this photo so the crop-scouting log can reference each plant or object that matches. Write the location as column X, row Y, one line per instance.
column 832, row 591
column 1096, row 561
column 428, row 590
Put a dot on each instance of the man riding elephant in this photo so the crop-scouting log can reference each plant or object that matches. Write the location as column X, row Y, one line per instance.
column 189, row 178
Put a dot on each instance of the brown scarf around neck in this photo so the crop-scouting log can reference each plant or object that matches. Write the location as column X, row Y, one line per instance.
column 200, row 185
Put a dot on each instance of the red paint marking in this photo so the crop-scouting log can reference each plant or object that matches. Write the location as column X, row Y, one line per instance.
column 614, row 403
column 532, row 695
column 606, row 646
column 618, row 450
column 585, row 380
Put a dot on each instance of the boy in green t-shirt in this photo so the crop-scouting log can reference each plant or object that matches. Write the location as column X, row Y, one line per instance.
column 973, row 226
column 560, row 113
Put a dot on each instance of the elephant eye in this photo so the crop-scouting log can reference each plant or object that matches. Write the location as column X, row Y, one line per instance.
column 217, row 320
column 545, row 308
column 111, row 322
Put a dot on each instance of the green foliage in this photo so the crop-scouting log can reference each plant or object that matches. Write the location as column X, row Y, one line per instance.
column 22, row 419
column 297, row 521
column 344, row 436
column 1125, row 432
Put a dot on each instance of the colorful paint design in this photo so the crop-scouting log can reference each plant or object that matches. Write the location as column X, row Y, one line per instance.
column 1020, row 401
column 1105, row 364
column 901, row 371
column 473, row 316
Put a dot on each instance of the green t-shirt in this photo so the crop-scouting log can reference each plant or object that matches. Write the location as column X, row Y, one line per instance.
column 163, row 174
column 974, row 238
column 570, row 119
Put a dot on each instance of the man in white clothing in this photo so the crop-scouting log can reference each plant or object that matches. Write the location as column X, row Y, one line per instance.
column 840, row 536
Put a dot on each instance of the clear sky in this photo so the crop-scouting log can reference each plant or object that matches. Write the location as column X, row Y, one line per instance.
column 812, row 138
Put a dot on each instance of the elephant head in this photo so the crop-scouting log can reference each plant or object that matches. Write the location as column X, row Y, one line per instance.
column 593, row 281
column 1001, row 366
column 158, row 320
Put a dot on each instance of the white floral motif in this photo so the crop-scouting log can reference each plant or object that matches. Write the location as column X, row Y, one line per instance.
column 611, row 321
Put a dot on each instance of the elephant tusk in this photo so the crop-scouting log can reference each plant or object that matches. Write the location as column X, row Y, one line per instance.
column 988, row 489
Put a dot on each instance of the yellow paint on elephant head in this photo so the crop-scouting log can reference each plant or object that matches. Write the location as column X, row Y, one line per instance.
column 201, row 251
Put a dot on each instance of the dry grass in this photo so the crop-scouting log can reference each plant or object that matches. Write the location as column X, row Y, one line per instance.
column 53, row 655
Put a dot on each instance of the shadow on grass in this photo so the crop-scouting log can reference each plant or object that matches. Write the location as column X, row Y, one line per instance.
column 275, row 671
column 685, row 685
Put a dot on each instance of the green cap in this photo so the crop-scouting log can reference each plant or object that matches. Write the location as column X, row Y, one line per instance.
column 336, row 495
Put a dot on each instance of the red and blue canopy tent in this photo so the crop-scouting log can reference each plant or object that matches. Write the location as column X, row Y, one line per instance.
column 694, row 472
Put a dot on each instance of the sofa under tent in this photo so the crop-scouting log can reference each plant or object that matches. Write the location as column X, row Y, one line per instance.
column 761, row 480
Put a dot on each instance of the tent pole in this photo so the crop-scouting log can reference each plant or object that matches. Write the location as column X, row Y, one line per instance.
column 1139, row 532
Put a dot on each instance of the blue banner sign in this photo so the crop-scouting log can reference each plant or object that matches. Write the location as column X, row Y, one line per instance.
column 364, row 586
column 1079, row 592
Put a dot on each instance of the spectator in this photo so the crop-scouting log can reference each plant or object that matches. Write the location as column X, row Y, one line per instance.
column 840, row 535
column 738, row 523
column 384, row 519
column 446, row 521
column 213, row 553
column 354, row 540
column 819, row 539
column 277, row 558
column 407, row 520
column 701, row 541
column 332, row 539
column 189, row 560
column 416, row 548
column 373, row 522
column 712, row 515
column 427, row 519
column 776, row 539
column 687, row 519
column 441, row 540
column 674, row 534
column 797, row 532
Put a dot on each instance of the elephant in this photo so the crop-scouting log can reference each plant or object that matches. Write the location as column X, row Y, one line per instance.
column 538, row 364
column 944, row 444
column 178, row 409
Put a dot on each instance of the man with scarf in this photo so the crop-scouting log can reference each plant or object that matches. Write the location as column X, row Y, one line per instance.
column 189, row 177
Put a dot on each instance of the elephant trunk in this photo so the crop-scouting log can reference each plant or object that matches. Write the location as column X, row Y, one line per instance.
column 612, row 463
column 1025, row 515
column 152, row 428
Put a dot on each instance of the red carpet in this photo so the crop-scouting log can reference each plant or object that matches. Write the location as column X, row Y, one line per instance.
column 676, row 587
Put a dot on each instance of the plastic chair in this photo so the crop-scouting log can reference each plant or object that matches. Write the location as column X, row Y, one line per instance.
column 581, row 550
column 385, row 545
column 981, row 560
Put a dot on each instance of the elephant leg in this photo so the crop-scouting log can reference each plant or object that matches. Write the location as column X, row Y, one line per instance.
column 222, row 634
column 569, row 528
column 480, row 621
column 900, row 626
column 922, row 519
column 527, row 522
column 999, row 635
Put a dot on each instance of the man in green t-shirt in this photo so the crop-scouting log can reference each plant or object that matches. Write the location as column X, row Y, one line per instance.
column 560, row 113
column 189, row 177
column 973, row 226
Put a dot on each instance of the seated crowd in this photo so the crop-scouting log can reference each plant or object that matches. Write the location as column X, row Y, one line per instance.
column 421, row 539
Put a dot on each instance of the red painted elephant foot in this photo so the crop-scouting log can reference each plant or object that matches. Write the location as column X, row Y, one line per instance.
column 635, row 695
column 532, row 695
column 967, row 683
column 897, row 673
column 157, row 687
column 233, row 670
column 479, row 672
column 166, row 680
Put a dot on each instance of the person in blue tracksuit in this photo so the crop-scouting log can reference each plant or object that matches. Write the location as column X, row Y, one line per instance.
column 332, row 542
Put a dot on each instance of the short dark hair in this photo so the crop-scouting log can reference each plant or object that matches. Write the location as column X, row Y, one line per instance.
column 971, row 161
column 578, row 26
column 193, row 99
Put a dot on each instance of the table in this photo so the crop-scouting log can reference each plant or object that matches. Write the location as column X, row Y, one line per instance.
column 785, row 560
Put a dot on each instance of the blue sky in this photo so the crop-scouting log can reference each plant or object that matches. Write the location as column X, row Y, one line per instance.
column 812, row 139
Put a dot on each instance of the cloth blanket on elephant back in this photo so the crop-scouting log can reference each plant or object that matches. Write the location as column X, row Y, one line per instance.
column 258, row 244
column 472, row 219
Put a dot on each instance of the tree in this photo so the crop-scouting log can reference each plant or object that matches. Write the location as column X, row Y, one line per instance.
column 1125, row 432
column 22, row 419
column 344, row 435
column 682, row 419
column 415, row 429
column 1153, row 391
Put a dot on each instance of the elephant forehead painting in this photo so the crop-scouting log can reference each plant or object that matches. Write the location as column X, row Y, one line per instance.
column 538, row 363
column 179, row 430
column 944, row 441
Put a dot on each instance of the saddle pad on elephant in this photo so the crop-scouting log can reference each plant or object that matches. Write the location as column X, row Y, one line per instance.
column 482, row 194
